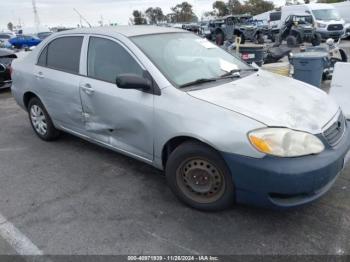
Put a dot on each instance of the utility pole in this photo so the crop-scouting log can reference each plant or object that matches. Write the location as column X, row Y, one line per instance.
column 36, row 16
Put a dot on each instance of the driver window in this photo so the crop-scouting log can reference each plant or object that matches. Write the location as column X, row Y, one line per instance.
column 107, row 59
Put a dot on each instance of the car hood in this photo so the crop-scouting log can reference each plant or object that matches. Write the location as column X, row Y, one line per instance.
column 274, row 101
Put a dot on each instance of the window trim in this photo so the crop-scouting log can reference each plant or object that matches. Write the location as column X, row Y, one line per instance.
column 59, row 69
column 117, row 42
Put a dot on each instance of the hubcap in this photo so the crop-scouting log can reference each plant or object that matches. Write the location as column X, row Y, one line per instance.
column 200, row 180
column 38, row 120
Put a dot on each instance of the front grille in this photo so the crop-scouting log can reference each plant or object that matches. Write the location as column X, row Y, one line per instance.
column 348, row 30
column 335, row 27
column 335, row 132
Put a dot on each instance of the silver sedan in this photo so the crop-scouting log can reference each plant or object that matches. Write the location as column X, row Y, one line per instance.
column 222, row 130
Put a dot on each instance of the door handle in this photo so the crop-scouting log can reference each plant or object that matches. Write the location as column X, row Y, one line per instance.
column 87, row 88
column 39, row 75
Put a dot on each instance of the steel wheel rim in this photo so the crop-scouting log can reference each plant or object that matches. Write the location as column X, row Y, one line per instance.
column 38, row 119
column 200, row 180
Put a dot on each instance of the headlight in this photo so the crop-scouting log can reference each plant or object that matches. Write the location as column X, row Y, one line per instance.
column 321, row 25
column 284, row 142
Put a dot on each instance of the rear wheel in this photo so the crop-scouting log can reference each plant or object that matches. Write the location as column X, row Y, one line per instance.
column 291, row 41
column 41, row 121
column 199, row 177
column 259, row 38
column 219, row 39
column 316, row 39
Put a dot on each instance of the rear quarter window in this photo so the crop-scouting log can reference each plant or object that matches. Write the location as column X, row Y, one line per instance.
column 275, row 16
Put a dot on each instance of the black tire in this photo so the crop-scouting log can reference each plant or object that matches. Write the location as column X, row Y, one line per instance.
column 219, row 38
column 316, row 40
column 291, row 41
column 51, row 132
column 344, row 56
column 242, row 39
column 260, row 39
column 215, row 189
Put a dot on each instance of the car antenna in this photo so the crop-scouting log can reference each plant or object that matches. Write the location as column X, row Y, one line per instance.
column 82, row 18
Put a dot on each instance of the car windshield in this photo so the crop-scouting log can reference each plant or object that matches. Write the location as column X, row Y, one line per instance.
column 326, row 14
column 185, row 57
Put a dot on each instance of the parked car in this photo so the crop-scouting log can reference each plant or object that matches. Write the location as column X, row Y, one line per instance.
column 222, row 130
column 298, row 29
column 4, row 39
column 6, row 57
column 23, row 41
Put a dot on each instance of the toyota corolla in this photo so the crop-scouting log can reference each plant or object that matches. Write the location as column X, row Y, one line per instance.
column 222, row 131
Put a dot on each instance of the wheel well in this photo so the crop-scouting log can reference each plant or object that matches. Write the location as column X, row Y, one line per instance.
column 27, row 97
column 173, row 143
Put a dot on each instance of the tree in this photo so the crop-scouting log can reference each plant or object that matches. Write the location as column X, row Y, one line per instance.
column 139, row 18
column 220, row 8
column 183, row 13
column 235, row 7
column 256, row 7
column 10, row 26
column 155, row 15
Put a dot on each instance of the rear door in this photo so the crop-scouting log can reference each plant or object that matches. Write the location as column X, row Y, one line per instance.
column 121, row 118
column 57, row 80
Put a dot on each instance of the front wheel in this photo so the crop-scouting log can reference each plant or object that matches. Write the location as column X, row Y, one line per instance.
column 316, row 40
column 41, row 121
column 199, row 177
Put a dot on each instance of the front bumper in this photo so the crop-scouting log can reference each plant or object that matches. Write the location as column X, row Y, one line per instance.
column 331, row 34
column 6, row 84
column 275, row 182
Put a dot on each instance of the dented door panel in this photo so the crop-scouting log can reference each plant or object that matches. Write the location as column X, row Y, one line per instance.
column 119, row 117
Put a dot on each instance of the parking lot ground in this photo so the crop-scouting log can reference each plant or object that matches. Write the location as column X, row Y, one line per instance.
column 73, row 197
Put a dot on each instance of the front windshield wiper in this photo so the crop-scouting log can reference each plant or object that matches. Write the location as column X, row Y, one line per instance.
column 234, row 71
column 199, row 81
column 226, row 75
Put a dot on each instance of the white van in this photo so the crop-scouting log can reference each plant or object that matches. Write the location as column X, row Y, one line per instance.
column 327, row 20
column 344, row 10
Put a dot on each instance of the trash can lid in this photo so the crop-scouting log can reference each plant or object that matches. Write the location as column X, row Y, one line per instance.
column 310, row 55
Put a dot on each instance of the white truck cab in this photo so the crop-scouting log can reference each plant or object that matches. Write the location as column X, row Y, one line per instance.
column 328, row 22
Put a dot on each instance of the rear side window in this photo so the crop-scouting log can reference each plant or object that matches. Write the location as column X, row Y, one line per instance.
column 107, row 59
column 275, row 16
column 62, row 54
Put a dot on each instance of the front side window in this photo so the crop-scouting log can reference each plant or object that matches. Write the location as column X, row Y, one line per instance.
column 107, row 59
column 62, row 54
column 185, row 57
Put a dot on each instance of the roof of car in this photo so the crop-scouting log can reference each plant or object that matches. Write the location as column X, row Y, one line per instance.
column 127, row 31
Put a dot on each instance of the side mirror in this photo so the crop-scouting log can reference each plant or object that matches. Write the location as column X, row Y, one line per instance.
column 2, row 68
column 133, row 81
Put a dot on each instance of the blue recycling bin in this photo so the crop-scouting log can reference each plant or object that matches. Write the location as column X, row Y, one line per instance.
column 309, row 66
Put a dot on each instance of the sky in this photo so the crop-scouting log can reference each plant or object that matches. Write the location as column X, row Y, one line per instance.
column 61, row 13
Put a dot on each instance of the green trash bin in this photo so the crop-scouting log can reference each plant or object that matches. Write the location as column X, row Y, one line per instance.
column 309, row 66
